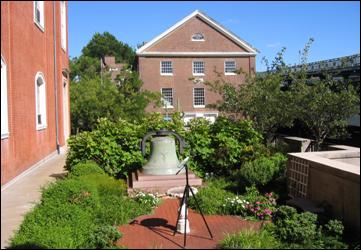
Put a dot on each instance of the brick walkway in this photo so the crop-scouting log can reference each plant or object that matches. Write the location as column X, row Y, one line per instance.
column 156, row 230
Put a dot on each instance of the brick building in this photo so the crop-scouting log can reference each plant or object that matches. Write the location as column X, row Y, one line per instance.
column 35, row 118
column 194, row 50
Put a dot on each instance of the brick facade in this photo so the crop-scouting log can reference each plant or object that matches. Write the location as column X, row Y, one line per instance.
column 176, row 45
column 27, row 50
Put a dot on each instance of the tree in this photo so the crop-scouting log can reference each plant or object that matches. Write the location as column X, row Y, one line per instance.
column 106, row 44
column 281, row 95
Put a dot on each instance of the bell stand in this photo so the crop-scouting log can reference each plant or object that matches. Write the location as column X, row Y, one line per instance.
column 185, row 200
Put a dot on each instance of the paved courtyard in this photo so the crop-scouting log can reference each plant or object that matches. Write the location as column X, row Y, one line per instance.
column 156, row 230
column 21, row 195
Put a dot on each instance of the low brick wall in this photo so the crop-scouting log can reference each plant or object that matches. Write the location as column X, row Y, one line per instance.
column 330, row 176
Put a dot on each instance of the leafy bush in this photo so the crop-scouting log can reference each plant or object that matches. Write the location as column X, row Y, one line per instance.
column 89, row 167
column 222, row 146
column 264, row 169
column 211, row 197
column 250, row 239
column 300, row 230
column 114, row 146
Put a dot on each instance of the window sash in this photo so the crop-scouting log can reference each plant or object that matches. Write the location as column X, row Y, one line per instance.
column 198, row 97
column 40, row 103
column 198, row 67
column 167, row 94
column 229, row 67
column 39, row 13
column 166, row 67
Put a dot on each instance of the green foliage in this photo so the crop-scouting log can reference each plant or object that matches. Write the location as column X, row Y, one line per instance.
column 222, row 146
column 104, row 236
column 278, row 97
column 114, row 146
column 300, row 230
column 212, row 197
column 106, row 44
column 78, row 212
column 264, row 169
column 249, row 239
column 86, row 168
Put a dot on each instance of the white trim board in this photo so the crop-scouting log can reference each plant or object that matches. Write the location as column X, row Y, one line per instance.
column 208, row 20
column 202, row 54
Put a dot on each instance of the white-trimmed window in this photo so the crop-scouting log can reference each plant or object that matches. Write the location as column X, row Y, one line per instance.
column 198, row 68
column 166, row 68
column 229, row 67
column 198, row 98
column 63, row 24
column 198, row 37
column 40, row 101
column 39, row 14
column 167, row 94
column 4, row 101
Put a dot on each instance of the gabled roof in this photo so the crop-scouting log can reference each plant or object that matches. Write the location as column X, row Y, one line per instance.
column 210, row 22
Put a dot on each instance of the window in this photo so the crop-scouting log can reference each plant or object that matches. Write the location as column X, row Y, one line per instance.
column 198, row 37
column 166, row 68
column 63, row 24
column 4, row 101
column 230, row 67
column 39, row 14
column 198, row 68
column 198, row 98
column 167, row 94
column 40, row 101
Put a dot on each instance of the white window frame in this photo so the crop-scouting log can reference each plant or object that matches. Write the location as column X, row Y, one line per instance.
column 40, row 101
column 4, row 100
column 161, row 91
column 41, row 23
column 161, row 68
column 198, row 74
column 197, row 40
column 194, row 99
column 63, row 24
column 235, row 68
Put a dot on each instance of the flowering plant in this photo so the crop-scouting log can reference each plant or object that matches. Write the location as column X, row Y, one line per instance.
column 252, row 204
column 147, row 199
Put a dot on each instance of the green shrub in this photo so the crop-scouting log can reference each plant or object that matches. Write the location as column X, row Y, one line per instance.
column 250, row 239
column 114, row 146
column 294, row 227
column 104, row 236
column 263, row 170
column 89, row 167
column 78, row 212
column 211, row 198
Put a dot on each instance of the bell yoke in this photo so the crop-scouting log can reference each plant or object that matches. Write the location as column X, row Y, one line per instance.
column 163, row 159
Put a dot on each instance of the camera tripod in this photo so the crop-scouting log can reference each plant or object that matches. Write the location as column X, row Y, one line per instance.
column 184, row 201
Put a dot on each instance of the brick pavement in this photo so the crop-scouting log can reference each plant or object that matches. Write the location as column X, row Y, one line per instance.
column 156, row 230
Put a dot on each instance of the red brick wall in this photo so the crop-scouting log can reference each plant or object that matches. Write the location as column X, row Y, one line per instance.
column 179, row 40
column 27, row 50
column 182, row 70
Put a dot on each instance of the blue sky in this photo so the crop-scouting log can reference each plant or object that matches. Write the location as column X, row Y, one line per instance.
column 268, row 26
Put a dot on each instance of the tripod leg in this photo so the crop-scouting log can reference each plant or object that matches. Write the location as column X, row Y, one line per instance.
column 180, row 210
column 200, row 210
column 186, row 215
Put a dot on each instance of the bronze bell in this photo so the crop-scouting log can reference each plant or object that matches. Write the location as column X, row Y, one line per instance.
column 163, row 159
